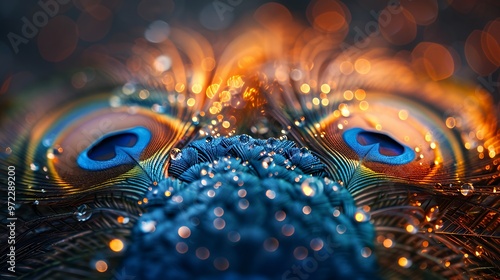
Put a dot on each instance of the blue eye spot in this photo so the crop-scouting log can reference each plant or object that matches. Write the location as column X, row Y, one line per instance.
column 115, row 149
column 105, row 149
column 377, row 147
column 387, row 145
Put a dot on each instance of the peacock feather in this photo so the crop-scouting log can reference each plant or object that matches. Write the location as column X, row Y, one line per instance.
column 261, row 155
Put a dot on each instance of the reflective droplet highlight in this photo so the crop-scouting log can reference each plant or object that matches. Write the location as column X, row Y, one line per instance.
column 466, row 189
column 311, row 187
column 175, row 154
column 82, row 213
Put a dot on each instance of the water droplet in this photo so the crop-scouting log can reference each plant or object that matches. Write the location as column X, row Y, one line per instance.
column 271, row 244
column 361, row 216
column 271, row 142
column 466, row 189
column 300, row 121
column 115, row 101
column 287, row 230
column 311, row 187
column 195, row 120
column 47, row 142
column 432, row 214
column 243, row 204
column 175, row 154
column 237, row 101
column 387, row 243
column 244, row 138
column 184, row 232
column 336, row 187
column 411, row 228
column 101, row 265
column 366, row 252
column 233, row 236
column 162, row 63
column 209, row 139
column 34, row 166
column 54, row 151
column 128, row 88
column 219, row 223
column 341, row 229
column 210, row 193
column 123, row 220
column 261, row 126
column 221, row 264
column 177, row 198
column 267, row 162
column 404, row 262
column 202, row 253
column 283, row 138
column 270, row 194
column 157, row 108
column 82, row 213
column 479, row 251
column 148, row 226
column 438, row 224
column 300, row 253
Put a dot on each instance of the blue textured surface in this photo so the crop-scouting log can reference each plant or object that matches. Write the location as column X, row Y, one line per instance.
column 238, row 194
column 115, row 149
column 377, row 147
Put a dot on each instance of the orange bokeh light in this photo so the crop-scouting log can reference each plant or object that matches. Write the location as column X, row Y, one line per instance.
column 273, row 16
column 435, row 59
column 476, row 56
column 94, row 25
column 101, row 266
column 329, row 16
column 329, row 21
column 424, row 12
column 58, row 39
column 490, row 41
column 116, row 245
column 400, row 28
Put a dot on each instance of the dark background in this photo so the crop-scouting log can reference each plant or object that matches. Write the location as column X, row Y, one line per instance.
column 456, row 20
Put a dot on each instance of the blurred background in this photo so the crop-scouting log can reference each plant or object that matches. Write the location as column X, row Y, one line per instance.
column 458, row 39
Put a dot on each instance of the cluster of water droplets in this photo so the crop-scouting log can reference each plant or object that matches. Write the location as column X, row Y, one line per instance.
column 463, row 189
column 216, row 186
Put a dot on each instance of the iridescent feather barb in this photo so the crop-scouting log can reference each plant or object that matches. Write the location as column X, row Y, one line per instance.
column 394, row 181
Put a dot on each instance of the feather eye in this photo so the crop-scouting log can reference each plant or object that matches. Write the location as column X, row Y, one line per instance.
column 422, row 160
column 93, row 151
column 90, row 146
column 402, row 126
column 121, row 128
